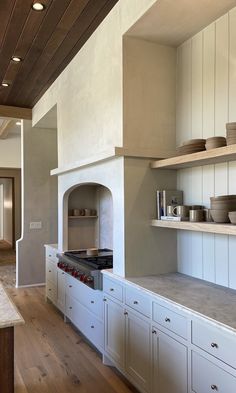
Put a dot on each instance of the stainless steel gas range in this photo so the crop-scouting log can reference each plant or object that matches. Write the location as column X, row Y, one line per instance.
column 84, row 268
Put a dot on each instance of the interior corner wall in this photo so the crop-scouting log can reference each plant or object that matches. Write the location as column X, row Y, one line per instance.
column 148, row 250
column 39, row 202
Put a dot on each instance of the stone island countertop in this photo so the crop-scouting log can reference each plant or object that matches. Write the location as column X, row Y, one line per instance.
column 9, row 315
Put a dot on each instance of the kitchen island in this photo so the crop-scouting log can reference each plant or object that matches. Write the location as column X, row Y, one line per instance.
column 9, row 318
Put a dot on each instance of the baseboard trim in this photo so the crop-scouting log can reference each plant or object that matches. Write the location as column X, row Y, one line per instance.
column 42, row 284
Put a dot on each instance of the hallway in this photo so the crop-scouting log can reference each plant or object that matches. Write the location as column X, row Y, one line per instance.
column 7, row 265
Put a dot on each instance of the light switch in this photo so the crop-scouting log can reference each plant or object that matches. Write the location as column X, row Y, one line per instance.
column 36, row 225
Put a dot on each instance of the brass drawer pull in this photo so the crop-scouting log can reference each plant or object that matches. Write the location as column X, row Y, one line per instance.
column 92, row 327
column 125, row 313
column 214, row 387
column 70, row 286
column 214, row 345
column 135, row 302
column 70, row 308
column 167, row 319
column 154, row 331
column 92, row 302
column 112, row 289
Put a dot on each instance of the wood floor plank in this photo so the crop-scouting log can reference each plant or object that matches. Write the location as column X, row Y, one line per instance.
column 52, row 357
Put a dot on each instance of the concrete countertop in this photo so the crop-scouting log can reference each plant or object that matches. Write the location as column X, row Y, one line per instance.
column 211, row 301
column 9, row 315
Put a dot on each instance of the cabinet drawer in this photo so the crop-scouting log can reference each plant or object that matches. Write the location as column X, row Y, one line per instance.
column 113, row 289
column 171, row 320
column 138, row 301
column 215, row 341
column 90, row 298
column 208, row 378
column 51, row 291
column 86, row 322
column 51, row 272
column 51, row 253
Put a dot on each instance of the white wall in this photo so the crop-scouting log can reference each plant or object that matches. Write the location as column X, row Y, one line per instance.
column 10, row 150
column 207, row 100
column 39, row 202
column 89, row 91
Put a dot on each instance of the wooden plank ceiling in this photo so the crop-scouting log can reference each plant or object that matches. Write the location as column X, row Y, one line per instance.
column 45, row 41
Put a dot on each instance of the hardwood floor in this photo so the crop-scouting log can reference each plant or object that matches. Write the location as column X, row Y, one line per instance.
column 51, row 357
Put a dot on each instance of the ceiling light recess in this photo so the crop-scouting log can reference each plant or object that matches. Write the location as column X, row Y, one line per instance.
column 16, row 59
column 5, row 84
column 38, row 6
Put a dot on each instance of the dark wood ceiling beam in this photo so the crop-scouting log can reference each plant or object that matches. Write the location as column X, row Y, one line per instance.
column 15, row 112
column 91, row 16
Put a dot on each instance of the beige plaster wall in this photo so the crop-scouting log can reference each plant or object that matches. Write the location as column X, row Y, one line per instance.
column 89, row 92
column 149, row 95
column 39, row 202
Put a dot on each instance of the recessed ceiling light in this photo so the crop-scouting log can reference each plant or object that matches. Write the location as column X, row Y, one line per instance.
column 37, row 6
column 16, row 59
column 5, row 84
column 18, row 123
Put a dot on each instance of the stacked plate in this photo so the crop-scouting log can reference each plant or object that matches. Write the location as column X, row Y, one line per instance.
column 191, row 146
column 215, row 141
column 221, row 206
column 231, row 133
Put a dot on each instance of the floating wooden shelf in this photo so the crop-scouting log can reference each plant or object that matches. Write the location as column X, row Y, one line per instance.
column 81, row 217
column 210, row 227
column 214, row 156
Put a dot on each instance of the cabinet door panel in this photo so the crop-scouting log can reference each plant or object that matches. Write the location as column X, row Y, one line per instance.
column 114, row 332
column 138, row 350
column 207, row 377
column 169, row 365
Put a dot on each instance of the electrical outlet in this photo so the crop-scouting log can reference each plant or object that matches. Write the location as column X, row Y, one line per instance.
column 36, row 225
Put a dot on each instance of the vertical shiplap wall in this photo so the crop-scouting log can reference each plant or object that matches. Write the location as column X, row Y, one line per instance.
column 206, row 97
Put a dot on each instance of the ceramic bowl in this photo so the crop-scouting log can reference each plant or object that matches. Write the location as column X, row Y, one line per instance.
column 232, row 217
column 230, row 126
column 220, row 216
column 194, row 142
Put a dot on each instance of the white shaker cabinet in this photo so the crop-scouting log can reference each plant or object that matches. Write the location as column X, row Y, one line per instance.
column 114, row 332
column 169, row 364
column 138, row 350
